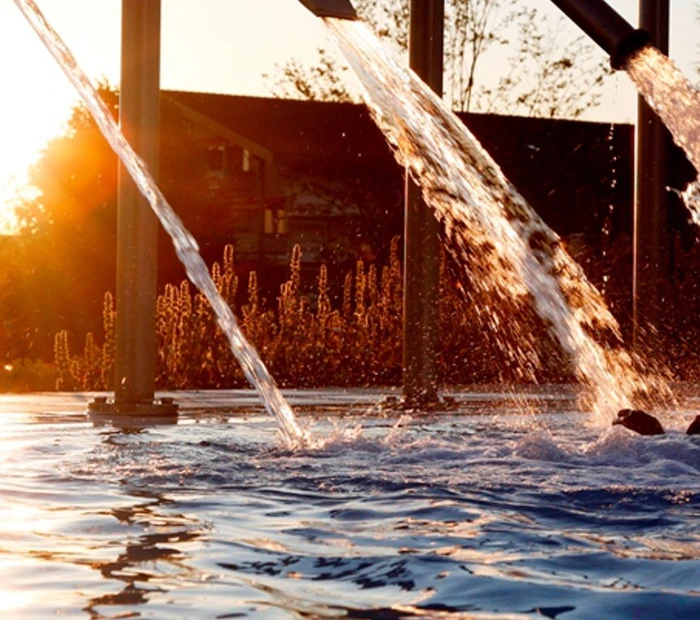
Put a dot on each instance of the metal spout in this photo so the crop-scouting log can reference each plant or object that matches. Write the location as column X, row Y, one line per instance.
column 341, row 9
column 607, row 28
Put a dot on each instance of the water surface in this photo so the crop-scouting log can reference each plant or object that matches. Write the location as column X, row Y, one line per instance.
column 504, row 508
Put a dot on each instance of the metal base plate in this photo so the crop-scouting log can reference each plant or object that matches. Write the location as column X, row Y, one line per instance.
column 163, row 411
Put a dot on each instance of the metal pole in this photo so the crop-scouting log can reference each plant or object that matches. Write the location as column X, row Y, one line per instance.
column 651, row 236
column 137, row 229
column 422, row 244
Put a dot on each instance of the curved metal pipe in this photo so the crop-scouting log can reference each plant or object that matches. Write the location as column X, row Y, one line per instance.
column 606, row 27
column 341, row 9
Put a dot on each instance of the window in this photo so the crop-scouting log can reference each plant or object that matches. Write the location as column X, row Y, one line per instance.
column 281, row 222
column 275, row 222
column 269, row 223
column 215, row 158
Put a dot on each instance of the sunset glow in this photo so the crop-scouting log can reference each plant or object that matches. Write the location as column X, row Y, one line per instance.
column 25, row 130
column 208, row 46
column 35, row 105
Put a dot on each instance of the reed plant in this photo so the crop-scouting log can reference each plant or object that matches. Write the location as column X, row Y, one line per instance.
column 307, row 342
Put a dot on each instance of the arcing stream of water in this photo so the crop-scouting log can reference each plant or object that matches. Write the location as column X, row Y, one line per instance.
column 510, row 252
column 185, row 245
column 671, row 96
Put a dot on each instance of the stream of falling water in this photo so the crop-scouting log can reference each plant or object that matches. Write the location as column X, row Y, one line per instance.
column 185, row 245
column 510, row 253
column 671, row 96
column 677, row 102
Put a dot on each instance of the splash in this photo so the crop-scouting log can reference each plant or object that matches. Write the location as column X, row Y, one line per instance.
column 511, row 255
column 185, row 245
column 691, row 199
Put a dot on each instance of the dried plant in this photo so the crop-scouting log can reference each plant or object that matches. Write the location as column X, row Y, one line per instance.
column 306, row 342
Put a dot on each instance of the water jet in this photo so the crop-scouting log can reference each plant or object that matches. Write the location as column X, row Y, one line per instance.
column 651, row 243
column 185, row 245
column 421, row 228
column 614, row 34
column 485, row 517
column 618, row 39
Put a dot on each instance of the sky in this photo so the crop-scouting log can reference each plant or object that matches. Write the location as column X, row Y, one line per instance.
column 222, row 46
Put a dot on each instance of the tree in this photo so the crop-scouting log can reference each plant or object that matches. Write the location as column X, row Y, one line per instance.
column 547, row 76
column 67, row 234
column 324, row 81
column 476, row 25
column 67, row 239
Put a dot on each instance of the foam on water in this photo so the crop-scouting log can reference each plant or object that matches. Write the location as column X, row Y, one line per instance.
column 185, row 245
column 460, row 516
column 508, row 251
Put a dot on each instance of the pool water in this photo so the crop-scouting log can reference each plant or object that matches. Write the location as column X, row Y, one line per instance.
column 503, row 508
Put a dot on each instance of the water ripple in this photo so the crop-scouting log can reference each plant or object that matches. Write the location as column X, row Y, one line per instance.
column 458, row 517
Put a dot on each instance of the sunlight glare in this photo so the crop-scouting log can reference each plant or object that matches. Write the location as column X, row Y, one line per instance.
column 37, row 98
column 11, row 600
column 32, row 109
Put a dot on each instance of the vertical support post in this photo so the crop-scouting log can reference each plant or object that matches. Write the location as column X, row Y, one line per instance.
column 652, row 250
column 421, row 229
column 137, row 228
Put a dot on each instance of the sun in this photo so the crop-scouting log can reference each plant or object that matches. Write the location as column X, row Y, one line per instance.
column 25, row 126
column 23, row 137
column 35, row 104
column 36, row 101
